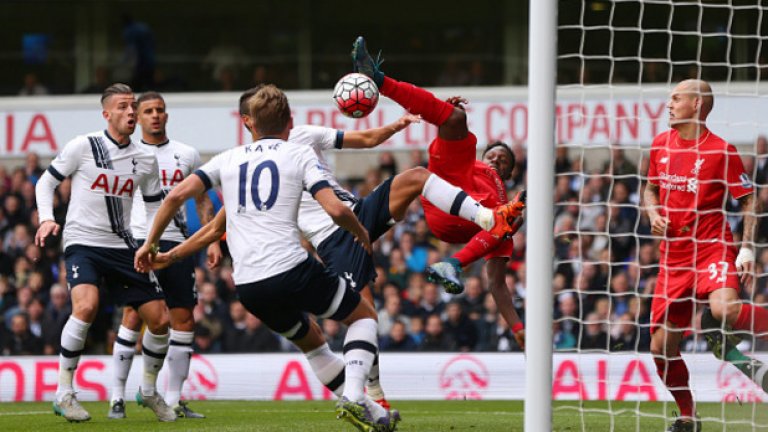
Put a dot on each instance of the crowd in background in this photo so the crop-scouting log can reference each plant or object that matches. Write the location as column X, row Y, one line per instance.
column 605, row 268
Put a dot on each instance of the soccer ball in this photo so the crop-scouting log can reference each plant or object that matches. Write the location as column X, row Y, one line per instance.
column 356, row 95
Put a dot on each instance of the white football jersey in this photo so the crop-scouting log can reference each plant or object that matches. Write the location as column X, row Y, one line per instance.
column 176, row 161
column 262, row 184
column 105, row 178
column 314, row 222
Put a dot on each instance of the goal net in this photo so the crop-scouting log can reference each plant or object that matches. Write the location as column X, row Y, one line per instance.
column 617, row 62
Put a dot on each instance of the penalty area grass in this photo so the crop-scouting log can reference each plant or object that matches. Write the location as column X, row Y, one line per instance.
column 319, row 416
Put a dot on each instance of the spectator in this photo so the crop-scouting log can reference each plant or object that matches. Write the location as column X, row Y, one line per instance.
column 255, row 337
column 204, row 342
column 460, row 328
column 391, row 314
column 334, row 334
column 56, row 314
column 473, row 298
column 594, row 336
column 32, row 86
column 398, row 339
column 435, row 338
column 21, row 341
column 431, row 301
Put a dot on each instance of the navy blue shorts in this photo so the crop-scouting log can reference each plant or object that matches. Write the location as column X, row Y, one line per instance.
column 346, row 257
column 283, row 301
column 112, row 269
column 178, row 280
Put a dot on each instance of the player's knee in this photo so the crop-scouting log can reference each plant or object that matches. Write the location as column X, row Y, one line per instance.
column 85, row 311
column 727, row 312
column 417, row 176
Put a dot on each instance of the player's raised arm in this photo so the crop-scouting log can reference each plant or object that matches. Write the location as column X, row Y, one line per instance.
column 190, row 187
column 208, row 234
column 370, row 138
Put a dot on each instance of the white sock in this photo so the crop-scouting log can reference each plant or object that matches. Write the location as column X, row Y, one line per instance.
column 374, row 385
column 72, row 343
column 328, row 368
column 179, row 356
column 455, row 201
column 154, row 348
column 123, row 351
column 360, row 347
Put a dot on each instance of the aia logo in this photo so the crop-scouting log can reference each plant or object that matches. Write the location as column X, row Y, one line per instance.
column 464, row 377
column 202, row 382
column 113, row 185
column 734, row 386
column 171, row 178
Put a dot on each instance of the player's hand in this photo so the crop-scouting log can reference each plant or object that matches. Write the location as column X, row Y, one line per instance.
column 142, row 261
column 520, row 338
column 745, row 265
column 365, row 241
column 457, row 101
column 406, row 120
column 214, row 255
column 46, row 229
column 162, row 260
column 659, row 225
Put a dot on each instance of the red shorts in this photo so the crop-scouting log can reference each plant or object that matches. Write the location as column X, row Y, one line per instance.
column 678, row 285
column 455, row 162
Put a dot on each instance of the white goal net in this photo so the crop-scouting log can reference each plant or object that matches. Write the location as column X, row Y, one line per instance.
column 617, row 62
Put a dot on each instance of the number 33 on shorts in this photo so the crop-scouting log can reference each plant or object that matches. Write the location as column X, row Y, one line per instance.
column 718, row 271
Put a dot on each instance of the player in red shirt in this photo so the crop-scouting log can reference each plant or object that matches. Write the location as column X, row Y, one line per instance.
column 691, row 170
column 452, row 157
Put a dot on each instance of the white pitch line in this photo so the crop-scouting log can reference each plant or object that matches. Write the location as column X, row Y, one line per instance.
column 21, row 413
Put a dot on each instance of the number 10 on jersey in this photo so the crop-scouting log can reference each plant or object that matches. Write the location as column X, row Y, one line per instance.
column 243, row 185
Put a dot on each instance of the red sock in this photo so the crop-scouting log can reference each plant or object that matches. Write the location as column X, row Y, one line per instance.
column 674, row 373
column 417, row 101
column 477, row 247
column 753, row 319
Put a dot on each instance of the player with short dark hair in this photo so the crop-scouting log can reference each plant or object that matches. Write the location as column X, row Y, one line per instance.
column 176, row 161
column 107, row 169
column 276, row 279
column 452, row 157
column 691, row 170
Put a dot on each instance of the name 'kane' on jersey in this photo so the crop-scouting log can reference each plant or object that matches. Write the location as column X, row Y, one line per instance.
column 262, row 185
column 107, row 175
column 176, row 161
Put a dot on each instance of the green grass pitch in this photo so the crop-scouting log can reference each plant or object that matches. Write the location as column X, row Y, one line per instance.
column 479, row 416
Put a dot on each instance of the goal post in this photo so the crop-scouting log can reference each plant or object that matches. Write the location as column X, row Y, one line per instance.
column 541, row 126
column 600, row 73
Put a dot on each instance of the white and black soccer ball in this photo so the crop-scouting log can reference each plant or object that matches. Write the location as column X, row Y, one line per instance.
column 356, row 95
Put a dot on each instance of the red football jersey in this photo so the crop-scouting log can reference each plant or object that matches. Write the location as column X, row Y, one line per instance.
column 482, row 184
column 693, row 177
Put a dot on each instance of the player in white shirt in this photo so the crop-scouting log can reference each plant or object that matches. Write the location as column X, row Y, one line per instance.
column 378, row 211
column 276, row 279
column 107, row 170
column 176, row 161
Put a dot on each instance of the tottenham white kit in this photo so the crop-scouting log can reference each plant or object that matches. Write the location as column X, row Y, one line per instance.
column 106, row 178
column 262, row 185
column 314, row 222
column 176, row 161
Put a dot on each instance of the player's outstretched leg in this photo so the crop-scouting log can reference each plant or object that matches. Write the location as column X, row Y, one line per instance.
column 722, row 341
column 414, row 99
